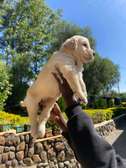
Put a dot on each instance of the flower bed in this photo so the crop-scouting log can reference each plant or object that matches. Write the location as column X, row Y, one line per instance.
column 7, row 118
column 11, row 121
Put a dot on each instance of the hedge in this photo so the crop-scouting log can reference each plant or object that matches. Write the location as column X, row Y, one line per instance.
column 100, row 115
column 123, row 104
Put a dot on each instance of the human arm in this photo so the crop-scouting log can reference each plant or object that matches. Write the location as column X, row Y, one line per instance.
column 91, row 150
column 83, row 86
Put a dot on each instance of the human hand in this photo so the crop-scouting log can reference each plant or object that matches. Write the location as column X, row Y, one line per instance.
column 65, row 89
column 58, row 118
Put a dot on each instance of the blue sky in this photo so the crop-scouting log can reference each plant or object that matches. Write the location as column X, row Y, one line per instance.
column 107, row 20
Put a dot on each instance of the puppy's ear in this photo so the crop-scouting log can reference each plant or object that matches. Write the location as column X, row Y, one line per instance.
column 69, row 44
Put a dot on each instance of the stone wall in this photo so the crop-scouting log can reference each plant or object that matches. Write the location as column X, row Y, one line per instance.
column 105, row 128
column 50, row 152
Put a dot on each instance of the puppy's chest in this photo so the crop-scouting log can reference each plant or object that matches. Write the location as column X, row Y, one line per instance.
column 63, row 60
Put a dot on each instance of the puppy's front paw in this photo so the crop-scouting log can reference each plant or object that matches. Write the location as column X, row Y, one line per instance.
column 81, row 98
column 84, row 101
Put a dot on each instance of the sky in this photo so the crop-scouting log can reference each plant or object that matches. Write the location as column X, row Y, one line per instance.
column 107, row 20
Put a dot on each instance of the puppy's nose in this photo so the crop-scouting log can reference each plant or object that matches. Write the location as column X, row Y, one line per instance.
column 93, row 53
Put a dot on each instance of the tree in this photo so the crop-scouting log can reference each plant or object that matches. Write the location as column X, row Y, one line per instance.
column 28, row 28
column 29, row 32
column 100, row 75
column 26, row 34
column 64, row 30
column 5, row 86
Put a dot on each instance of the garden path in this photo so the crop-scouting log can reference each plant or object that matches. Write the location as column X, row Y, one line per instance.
column 118, row 138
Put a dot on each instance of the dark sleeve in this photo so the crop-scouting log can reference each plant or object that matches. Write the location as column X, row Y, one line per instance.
column 91, row 150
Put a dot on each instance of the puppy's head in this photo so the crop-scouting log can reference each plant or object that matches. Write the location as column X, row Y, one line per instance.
column 79, row 47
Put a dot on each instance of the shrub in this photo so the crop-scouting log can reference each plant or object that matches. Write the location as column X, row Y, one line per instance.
column 118, row 111
column 100, row 103
column 123, row 104
column 110, row 103
column 51, row 125
column 61, row 104
column 5, row 86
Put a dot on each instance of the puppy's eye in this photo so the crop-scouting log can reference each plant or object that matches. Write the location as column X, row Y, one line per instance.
column 85, row 45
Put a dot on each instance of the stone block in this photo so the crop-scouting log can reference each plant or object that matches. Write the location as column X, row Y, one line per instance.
column 12, row 148
column 59, row 146
column 31, row 152
column 28, row 161
column 2, row 140
column 22, row 138
column 4, row 157
column 6, row 149
column 1, row 149
column 51, row 154
column 11, row 155
column 36, row 159
column 38, row 148
column 61, row 156
column 14, row 163
column 27, row 138
column 21, row 146
column 43, row 156
column 20, row 155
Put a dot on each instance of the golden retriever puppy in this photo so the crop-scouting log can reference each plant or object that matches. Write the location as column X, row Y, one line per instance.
column 70, row 58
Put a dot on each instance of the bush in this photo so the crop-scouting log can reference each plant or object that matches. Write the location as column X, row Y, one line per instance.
column 110, row 103
column 5, row 86
column 51, row 125
column 123, row 104
column 100, row 103
column 118, row 111
column 61, row 104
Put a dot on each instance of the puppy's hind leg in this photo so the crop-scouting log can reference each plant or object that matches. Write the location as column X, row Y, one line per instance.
column 32, row 109
column 44, row 116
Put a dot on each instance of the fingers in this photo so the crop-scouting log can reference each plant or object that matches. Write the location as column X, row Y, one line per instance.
column 56, row 77
column 59, row 81
column 61, row 77
column 57, row 69
column 56, row 110
column 56, row 106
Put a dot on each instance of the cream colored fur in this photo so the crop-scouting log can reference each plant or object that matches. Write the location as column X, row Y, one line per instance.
column 69, row 60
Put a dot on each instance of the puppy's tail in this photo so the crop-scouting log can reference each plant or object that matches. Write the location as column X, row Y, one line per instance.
column 22, row 104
